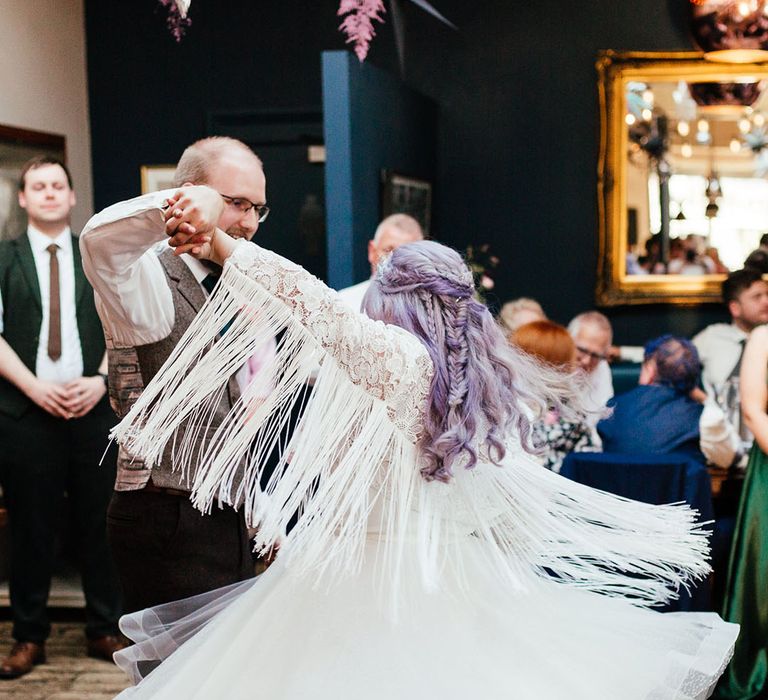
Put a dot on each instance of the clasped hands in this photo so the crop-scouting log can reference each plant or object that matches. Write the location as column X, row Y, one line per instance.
column 71, row 400
column 191, row 215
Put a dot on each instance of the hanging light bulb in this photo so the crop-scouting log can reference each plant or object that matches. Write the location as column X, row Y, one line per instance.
column 683, row 128
column 759, row 119
column 703, row 126
column 686, row 150
column 648, row 97
column 630, row 119
column 745, row 125
column 647, row 114
column 735, row 145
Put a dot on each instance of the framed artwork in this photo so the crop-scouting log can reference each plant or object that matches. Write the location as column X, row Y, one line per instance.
column 407, row 195
column 17, row 146
column 156, row 177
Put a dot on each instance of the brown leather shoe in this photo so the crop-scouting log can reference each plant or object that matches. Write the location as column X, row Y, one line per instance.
column 23, row 657
column 104, row 647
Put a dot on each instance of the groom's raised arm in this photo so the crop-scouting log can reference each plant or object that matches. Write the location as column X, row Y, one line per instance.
column 132, row 295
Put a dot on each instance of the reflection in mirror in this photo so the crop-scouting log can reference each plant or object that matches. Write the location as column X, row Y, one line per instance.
column 682, row 175
column 696, row 166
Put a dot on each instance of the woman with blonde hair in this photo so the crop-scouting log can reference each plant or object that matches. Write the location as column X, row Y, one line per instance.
column 518, row 312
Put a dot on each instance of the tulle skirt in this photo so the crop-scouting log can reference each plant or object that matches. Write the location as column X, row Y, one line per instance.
column 281, row 637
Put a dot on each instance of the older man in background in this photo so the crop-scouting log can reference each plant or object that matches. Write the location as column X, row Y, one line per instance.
column 592, row 334
column 391, row 233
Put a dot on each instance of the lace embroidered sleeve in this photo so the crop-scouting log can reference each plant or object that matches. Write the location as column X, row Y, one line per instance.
column 387, row 362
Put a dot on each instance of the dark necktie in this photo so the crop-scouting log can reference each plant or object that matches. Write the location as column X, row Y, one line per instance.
column 734, row 395
column 54, row 317
column 737, row 367
column 209, row 282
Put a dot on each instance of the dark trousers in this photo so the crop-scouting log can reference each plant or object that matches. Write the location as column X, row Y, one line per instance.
column 41, row 458
column 166, row 550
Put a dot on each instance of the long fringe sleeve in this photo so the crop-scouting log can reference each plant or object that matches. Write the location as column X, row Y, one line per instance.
column 351, row 469
column 364, row 411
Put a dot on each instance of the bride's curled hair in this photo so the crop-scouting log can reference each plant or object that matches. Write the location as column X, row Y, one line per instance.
column 483, row 390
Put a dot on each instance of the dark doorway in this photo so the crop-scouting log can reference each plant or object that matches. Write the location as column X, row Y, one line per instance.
column 291, row 146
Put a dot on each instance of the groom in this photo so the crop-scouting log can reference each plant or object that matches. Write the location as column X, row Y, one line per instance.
column 164, row 548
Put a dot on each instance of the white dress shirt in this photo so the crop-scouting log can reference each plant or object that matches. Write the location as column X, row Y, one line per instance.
column 597, row 391
column 353, row 296
column 121, row 262
column 720, row 346
column 718, row 440
column 70, row 365
column 120, row 248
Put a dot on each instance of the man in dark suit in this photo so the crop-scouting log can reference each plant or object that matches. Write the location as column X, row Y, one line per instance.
column 54, row 419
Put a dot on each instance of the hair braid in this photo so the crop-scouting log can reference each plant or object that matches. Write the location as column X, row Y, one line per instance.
column 458, row 350
column 429, row 305
column 476, row 399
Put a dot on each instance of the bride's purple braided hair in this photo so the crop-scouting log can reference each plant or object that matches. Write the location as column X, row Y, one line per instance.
column 480, row 384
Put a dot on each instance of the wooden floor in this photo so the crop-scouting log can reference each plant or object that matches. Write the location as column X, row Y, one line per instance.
column 68, row 675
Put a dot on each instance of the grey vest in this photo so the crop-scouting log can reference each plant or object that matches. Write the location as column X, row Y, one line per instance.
column 130, row 369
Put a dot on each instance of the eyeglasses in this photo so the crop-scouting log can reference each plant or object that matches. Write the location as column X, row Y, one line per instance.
column 593, row 355
column 245, row 205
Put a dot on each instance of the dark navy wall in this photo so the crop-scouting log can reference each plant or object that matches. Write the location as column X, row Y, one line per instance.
column 150, row 97
column 373, row 122
column 515, row 88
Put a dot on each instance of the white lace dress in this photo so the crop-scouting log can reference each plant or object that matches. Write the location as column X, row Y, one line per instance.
column 507, row 582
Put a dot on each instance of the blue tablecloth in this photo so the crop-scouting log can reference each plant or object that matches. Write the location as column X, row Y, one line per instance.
column 657, row 479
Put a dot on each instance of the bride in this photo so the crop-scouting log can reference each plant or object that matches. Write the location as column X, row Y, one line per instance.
column 433, row 558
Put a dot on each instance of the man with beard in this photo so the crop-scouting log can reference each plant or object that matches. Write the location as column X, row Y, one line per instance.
column 147, row 298
column 720, row 345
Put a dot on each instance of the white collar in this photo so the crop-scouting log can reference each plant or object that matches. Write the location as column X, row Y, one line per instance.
column 40, row 241
column 737, row 332
column 197, row 268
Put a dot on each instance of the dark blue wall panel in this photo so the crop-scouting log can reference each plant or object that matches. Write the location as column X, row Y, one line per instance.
column 373, row 123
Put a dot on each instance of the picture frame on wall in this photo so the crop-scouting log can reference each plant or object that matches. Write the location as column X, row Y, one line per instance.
column 402, row 194
column 155, row 178
column 17, row 146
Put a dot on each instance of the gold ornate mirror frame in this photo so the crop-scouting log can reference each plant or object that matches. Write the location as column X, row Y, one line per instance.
column 618, row 72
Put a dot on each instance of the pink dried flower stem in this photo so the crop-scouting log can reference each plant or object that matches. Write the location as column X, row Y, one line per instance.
column 177, row 20
column 358, row 23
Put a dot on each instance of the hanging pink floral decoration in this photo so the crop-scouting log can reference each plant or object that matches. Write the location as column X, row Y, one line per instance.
column 177, row 19
column 358, row 23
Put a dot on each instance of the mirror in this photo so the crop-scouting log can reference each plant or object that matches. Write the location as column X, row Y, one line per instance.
column 682, row 174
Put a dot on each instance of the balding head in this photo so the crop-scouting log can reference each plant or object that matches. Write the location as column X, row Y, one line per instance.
column 234, row 171
column 391, row 233
column 201, row 158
